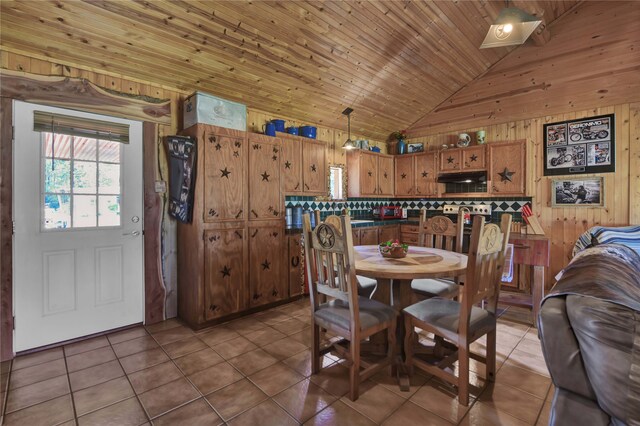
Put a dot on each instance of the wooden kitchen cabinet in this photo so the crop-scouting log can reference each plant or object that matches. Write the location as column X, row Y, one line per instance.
column 370, row 174
column 225, row 291
column 386, row 175
column 266, row 280
column 296, row 265
column 369, row 236
column 450, row 160
column 291, row 166
column 388, row 232
column 507, row 168
column 416, row 175
column 473, row 158
column 314, row 168
column 356, row 236
column 265, row 198
column 405, row 175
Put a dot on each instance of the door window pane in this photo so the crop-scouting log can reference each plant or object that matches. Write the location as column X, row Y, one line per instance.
column 84, row 177
column 108, row 210
column 57, row 176
column 57, row 146
column 84, row 149
column 84, row 211
column 110, row 151
column 109, row 178
column 57, row 211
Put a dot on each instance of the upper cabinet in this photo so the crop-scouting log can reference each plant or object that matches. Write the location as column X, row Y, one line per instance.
column 450, row 160
column 370, row 174
column 304, row 165
column 507, row 168
column 405, row 172
column 265, row 200
column 416, row 175
column 473, row 158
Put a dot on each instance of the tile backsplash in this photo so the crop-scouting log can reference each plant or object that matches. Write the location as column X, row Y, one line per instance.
column 363, row 206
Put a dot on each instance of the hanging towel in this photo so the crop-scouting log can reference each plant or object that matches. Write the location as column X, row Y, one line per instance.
column 507, row 270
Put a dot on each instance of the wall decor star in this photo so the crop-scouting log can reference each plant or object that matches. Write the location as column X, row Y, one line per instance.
column 403, row 176
column 424, row 174
column 474, row 157
column 313, row 167
column 274, row 158
column 237, row 144
column 287, row 165
column 226, row 271
column 506, row 175
column 266, row 265
column 225, row 173
column 450, row 159
column 265, row 176
column 218, row 146
column 236, row 154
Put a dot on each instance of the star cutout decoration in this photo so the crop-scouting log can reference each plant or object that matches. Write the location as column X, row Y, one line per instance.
column 266, row 265
column 450, row 159
column 226, row 271
column 225, row 173
column 287, row 165
column 274, row 158
column 424, row 174
column 370, row 173
column 218, row 146
column 236, row 154
column 506, row 175
column 474, row 157
column 313, row 167
column 385, row 175
column 265, row 176
column 403, row 176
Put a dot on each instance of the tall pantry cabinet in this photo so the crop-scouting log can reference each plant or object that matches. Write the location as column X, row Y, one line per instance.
column 229, row 257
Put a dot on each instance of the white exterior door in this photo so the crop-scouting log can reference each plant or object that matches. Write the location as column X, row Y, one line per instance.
column 78, row 246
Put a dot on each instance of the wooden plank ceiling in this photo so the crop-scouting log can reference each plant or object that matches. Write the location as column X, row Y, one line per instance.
column 391, row 61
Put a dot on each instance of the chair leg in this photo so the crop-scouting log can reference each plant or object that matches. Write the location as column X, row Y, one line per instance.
column 354, row 372
column 491, row 356
column 408, row 343
column 463, row 374
column 315, row 349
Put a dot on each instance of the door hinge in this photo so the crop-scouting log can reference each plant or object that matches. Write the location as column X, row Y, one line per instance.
column 13, row 227
column 13, row 133
column 13, row 320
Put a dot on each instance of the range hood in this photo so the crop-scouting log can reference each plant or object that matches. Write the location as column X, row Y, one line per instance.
column 468, row 177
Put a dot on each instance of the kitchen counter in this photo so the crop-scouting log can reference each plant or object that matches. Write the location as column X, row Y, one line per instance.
column 292, row 230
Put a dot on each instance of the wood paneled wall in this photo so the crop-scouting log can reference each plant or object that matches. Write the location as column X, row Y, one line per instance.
column 564, row 225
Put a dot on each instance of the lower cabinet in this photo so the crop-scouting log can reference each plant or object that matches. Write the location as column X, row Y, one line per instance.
column 296, row 265
column 266, row 280
column 389, row 232
column 224, row 268
column 369, row 236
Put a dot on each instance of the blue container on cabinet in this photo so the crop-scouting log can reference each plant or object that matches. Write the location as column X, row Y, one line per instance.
column 279, row 125
column 308, row 132
column 269, row 129
column 292, row 131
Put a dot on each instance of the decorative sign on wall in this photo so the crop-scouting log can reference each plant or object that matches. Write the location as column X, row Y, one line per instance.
column 182, row 176
column 580, row 146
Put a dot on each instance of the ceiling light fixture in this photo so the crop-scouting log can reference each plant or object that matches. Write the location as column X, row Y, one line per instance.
column 349, row 143
column 512, row 26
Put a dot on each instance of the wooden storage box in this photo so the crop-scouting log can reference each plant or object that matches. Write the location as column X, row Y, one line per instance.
column 208, row 109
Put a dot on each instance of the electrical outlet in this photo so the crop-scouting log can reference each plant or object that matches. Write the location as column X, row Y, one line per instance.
column 161, row 186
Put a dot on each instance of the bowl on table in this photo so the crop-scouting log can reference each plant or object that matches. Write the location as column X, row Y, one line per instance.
column 393, row 249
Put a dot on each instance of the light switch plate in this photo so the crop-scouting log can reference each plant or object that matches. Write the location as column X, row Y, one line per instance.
column 161, row 186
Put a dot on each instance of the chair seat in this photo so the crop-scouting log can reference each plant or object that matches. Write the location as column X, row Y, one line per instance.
column 366, row 286
column 444, row 314
column 372, row 313
column 435, row 287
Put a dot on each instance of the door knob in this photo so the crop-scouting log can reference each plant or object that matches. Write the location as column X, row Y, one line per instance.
column 134, row 233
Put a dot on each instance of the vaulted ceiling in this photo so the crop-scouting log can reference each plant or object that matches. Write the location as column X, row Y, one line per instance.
column 391, row 61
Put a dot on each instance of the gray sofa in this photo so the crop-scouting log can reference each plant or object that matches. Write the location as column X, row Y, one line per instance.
column 589, row 327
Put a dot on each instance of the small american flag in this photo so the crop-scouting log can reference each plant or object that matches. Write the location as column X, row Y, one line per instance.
column 526, row 212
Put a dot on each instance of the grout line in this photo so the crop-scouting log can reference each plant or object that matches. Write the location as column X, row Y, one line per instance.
column 73, row 401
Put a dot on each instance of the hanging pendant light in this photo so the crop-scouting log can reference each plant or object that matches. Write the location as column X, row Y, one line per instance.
column 513, row 26
column 349, row 143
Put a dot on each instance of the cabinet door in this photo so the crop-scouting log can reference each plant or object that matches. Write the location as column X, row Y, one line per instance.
column 264, row 178
column 295, row 268
column 356, row 236
column 291, row 166
column 405, row 184
column 450, row 160
column 386, row 175
column 266, row 283
column 389, row 232
column 225, row 290
column 223, row 175
column 314, row 168
column 369, row 236
column 368, row 174
column 507, row 170
column 425, row 175
column 473, row 158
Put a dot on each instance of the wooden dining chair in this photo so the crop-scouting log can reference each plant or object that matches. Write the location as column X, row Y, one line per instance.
column 329, row 247
column 461, row 323
column 442, row 233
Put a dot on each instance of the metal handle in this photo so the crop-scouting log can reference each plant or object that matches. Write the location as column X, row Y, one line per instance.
column 134, row 233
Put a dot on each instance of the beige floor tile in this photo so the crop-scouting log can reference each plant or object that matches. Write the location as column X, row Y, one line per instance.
column 545, row 414
column 551, row 393
column 153, row 377
column 284, row 348
column 142, row 360
column 253, row 361
column 90, row 358
column 234, row 347
column 36, row 393
column 102, row 395
column 85, row 345
column 515, row 402
column 265, row 336
column 196, row 413
column 129, row 334
column 163, row 325
column 167, row 397
column 267, row 413
column 294, row 310
column 125, row 413
column 272, row 316
column 334, row 379
column 304, row 400
column 531, row 346
column 290, row 326
column 198, row 361
column 236, row 398
column 482, row 414
column 245, row 326
column 134, row 346
column 184, row 347
column 53, row 412
column 441, row 399
column 513, row 328
column 339, row 414
column 303, row 337
column 218, row 335
column 37, row 373
column 173, row 334
column 375, row 401
column 525, row 380
column 411, row 414
column 216, row 377
column 95, row 375
column 390, row 382
column 275, row 378
column 35, row 358
column 527, row 361
column 301, row 362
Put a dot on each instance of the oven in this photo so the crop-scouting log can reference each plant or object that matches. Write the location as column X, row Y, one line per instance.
column 471, row 210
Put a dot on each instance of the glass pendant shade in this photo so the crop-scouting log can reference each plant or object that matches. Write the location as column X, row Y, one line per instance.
column 512, row 27
column 349, row 143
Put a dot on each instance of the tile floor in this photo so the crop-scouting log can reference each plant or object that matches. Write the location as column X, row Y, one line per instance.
column 255, row 371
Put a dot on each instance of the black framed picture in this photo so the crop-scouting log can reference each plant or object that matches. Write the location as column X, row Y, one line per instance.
column 587, row 192
column 580, row 146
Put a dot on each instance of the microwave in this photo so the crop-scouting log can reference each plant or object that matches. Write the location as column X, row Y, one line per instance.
column 391, row 212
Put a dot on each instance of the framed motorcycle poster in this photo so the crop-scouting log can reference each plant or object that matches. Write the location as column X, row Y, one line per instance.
column 580, row 146
column 587, row 192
